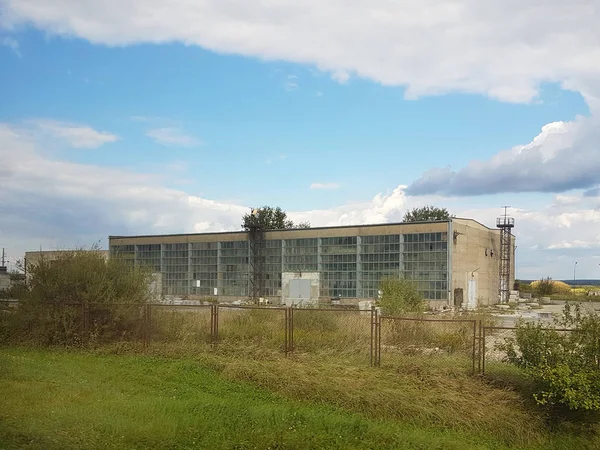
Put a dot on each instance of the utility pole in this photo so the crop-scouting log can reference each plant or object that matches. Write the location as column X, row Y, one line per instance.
column 3, row 264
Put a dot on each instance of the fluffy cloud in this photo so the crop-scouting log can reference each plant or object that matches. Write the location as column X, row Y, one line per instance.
column 59, row 199
column 564, row 156
column 502, row 49
column 170, row 136
column 78, row 136
column 54, row 203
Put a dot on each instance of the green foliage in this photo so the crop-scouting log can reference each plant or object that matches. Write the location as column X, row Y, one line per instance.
column 77, row 297
column 400, row 296
column 269, row 218
column 564, row 365
column 426, row 214
column 545, row 287
column 523, row 287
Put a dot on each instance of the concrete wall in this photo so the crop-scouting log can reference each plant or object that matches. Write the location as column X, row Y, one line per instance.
column 476, row 262
column 5, row 281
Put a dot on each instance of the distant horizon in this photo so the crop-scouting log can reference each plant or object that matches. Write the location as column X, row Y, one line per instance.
column 576, row 282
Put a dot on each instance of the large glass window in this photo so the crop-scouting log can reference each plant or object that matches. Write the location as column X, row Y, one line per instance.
column 301, row 255
column 203, row 267
column 425, row 257
column 148, row 255
column 235, row 267
column 338, row 266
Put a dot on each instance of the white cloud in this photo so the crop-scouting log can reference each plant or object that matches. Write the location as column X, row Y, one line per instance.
column 64, row 204
column 291, row 83
column 78, row 136
column 564, row 156
column 324, row 186
column 13, row 44
column 502, row 49
column 341, row 76
column 171, row 136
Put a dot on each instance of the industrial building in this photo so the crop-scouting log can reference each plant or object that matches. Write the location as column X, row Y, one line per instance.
column 455, row 263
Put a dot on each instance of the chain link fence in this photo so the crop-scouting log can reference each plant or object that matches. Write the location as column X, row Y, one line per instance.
column 262, row 327
column 405, row 341
column 495, row 355
column 356, row 335
column 187, row 325
column 338, row 332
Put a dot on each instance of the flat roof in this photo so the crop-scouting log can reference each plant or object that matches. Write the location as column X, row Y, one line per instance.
column 375, row 225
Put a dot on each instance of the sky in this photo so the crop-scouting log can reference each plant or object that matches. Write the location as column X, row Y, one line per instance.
column 169, row 116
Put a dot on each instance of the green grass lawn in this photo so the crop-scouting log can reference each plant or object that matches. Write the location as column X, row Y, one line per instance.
column 62, row 400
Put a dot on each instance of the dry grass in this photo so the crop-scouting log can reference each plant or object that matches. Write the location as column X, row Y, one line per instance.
column 415, row 394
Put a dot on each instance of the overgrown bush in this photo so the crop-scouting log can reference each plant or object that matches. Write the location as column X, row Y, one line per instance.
column 543, row 287
column 400, row 296
column 564, row 365
column 547, row 287
column 78, row 297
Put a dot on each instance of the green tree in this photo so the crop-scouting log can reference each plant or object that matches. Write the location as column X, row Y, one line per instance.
column 400, row 296
column 545, row 287
column 426, row 214
column 269, row 218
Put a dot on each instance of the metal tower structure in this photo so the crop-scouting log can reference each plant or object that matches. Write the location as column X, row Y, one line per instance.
column 506, row 224
column 256, row 235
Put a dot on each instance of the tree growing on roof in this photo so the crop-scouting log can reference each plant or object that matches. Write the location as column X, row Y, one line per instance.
column 269, row 218
column 426, row 214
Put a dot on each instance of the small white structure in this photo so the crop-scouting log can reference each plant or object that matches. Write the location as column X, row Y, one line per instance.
column 300, row 289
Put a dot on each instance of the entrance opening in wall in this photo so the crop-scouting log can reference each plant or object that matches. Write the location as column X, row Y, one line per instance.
column 458, row 297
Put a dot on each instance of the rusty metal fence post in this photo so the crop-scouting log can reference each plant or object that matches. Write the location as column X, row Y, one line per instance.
column 214, row 323
column 85, row 312
column 375, row 338
column 474, row 345
column 289, row 336
column 147, row 325
column 483, row 353
column 480, row 339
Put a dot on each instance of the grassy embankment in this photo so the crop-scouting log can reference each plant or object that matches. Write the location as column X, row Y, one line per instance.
column 56, row 399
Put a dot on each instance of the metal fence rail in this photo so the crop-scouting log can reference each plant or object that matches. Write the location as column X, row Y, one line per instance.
column 358, row 334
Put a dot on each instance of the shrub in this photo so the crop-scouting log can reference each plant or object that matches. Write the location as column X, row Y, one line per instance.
column 547, row 286
column 564, row 366
column 400, row 296
column 62, row 293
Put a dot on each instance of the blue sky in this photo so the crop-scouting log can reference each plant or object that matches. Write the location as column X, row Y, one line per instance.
column 218, row 116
